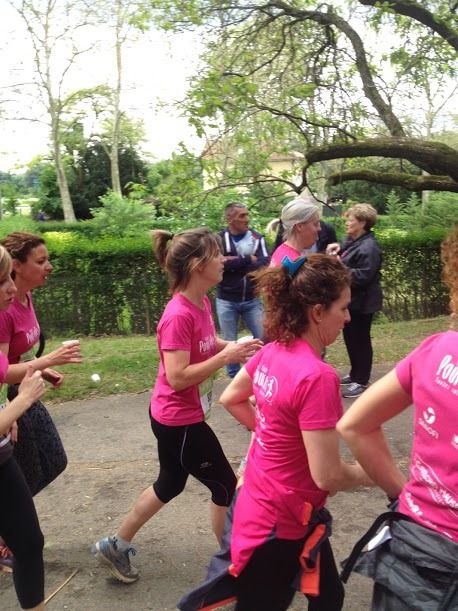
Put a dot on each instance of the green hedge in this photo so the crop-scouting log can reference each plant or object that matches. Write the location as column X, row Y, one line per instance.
column 114, row 286
column 411, row 274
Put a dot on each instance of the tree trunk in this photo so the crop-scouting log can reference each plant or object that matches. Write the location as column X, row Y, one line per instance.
column 114, row 160
column 67, row 206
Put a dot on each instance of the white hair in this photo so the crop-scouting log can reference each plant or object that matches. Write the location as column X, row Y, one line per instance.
column 300, row 210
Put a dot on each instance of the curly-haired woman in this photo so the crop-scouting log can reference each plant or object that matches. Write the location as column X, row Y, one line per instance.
column 279, row 520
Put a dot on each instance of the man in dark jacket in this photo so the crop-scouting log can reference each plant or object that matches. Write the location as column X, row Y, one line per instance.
column 245, row 251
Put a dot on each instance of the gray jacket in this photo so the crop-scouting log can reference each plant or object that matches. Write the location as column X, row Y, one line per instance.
column 415, row 570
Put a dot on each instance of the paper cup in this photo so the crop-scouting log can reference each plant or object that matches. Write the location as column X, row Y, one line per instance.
column 245, row 338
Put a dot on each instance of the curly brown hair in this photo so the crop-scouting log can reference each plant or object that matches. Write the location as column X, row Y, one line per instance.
column 449, row 253
column 20, row 243
column 287, row 300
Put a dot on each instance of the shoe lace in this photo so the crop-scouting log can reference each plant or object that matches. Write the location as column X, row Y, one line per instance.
column 131, row 550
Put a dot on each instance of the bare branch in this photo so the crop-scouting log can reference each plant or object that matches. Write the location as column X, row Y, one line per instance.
column 407, row 181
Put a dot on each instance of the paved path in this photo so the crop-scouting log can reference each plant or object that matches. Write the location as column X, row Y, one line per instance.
column 112, row 459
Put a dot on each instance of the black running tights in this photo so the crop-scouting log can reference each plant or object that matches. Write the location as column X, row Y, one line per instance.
column 20, row 529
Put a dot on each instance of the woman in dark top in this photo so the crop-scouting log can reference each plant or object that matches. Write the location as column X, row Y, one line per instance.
column 361, row 253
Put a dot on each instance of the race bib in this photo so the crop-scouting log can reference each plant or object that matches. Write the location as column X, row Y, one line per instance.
column 206, row 396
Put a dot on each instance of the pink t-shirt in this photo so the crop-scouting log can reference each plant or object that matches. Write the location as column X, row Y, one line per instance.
column 430, row 375
column 183, row 326
column 20, row 329
column 295, row 391
column 281, row 252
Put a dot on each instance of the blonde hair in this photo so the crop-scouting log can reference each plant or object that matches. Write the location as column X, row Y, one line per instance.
column 364, row 213
column 181, row 253
column 5, row 262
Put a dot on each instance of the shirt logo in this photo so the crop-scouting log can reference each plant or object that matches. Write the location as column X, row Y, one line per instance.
column 32, row 335
column 207, row 344
column 429, row 415
column 448, row 371
column 268, row 384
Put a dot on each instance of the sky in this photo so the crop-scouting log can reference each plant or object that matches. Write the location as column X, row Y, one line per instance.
column 156, row 68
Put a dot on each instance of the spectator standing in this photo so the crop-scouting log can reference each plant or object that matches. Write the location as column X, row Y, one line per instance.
column 244, row 251
column 361, row 253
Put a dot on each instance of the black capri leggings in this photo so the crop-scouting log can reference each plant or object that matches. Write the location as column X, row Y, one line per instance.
column 21, row 532
column 192, row 449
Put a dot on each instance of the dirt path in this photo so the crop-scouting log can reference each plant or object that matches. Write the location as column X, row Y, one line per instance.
column 112, row 459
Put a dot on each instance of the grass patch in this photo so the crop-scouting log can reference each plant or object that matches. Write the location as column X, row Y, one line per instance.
column 391, row 340
column 129, row 364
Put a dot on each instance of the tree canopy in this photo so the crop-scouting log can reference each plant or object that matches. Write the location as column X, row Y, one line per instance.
column 350, row 80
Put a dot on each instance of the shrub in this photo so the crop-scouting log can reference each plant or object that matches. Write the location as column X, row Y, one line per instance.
column 114, row 285
column 17, row 222
column 120, row 216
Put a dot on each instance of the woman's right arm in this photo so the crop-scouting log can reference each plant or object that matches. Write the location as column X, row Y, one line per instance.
column 181, row 374
column 361, row 428
column 31, row 389
column 328, row 470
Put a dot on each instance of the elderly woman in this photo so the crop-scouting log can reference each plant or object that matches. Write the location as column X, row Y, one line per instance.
column 361, row 254
column 300, row 220
column 414, row 564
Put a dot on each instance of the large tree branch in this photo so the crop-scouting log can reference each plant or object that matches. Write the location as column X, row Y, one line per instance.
column 439, row 158
column 407, row 181
column 280, row 8
column 414, row 10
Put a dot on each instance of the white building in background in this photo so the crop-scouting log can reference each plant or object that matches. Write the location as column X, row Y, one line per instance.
column 223, row 157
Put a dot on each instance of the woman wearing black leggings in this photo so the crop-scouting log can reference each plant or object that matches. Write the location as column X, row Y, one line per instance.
column 19, row 526
column 190, row 355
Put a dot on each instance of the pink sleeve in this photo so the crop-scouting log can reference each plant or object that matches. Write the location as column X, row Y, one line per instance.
column 251, row 364
column 404, row 369
column 176, row 333
column 3, row 367
column 319, row 402
column 6, row 328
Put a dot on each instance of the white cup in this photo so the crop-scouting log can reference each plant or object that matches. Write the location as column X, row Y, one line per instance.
column 245, row 338
column 71, row 342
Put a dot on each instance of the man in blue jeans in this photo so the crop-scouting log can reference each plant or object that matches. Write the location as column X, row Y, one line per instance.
column 245, row 251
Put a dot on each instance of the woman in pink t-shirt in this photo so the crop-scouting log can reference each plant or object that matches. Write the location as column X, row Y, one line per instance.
column 19, row 526
column 423, row 547
column 293, row 462
column 301, row 224
column 190, row 355
column 19, row 338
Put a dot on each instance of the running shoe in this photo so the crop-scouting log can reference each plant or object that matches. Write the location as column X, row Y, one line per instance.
column 6, row 558
column 107, row 553
column 6, row 564
column 346, row 380
column 354, row 390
